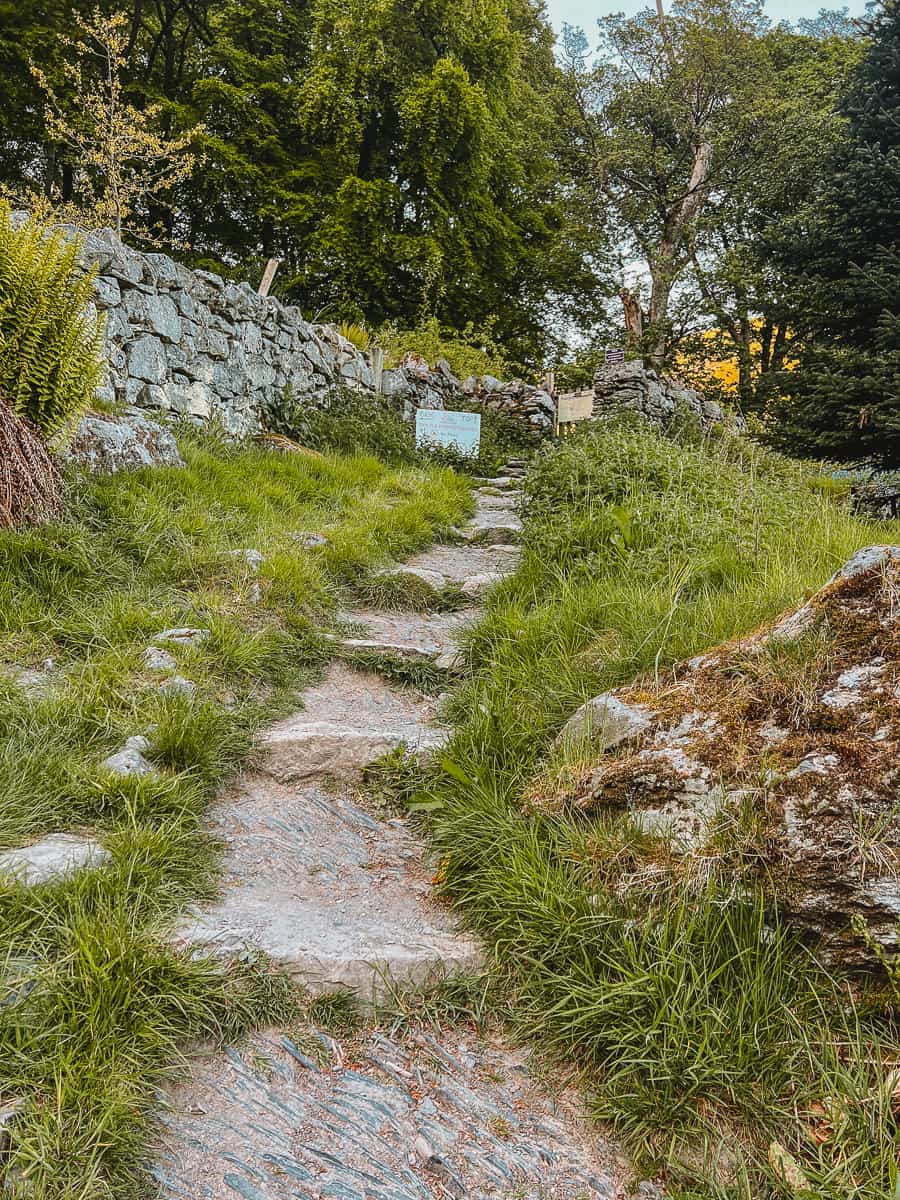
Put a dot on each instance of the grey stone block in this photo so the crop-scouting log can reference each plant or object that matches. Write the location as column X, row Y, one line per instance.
column 56, row 856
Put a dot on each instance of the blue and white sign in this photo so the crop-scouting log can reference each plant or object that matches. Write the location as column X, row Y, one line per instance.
column 439, row 427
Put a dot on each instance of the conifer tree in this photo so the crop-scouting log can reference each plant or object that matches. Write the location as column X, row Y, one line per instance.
column 843, row 399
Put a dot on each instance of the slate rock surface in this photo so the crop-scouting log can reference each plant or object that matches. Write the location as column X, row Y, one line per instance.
column 384, row 1118
column 56, row 856
column 127, row 441
column 789, row 738
column 337, row 897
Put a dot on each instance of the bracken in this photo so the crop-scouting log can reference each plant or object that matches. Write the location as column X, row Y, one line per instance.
column 29, row 479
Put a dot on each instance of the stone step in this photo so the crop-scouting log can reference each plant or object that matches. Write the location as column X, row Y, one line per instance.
column 497, row 482
column 56, row 856
column 411, row 636
column 388, row 1119
column 457, row 564
column 347, row 721
column 335, row 896
column 493, row 533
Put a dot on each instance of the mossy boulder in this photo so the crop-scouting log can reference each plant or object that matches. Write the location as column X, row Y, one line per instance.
column 775, row 758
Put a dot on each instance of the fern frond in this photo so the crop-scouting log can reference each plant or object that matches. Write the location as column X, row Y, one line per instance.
column 50, row 339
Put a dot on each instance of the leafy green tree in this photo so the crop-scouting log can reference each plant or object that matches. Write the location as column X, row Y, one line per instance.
column 740, row 286
column 661, row 118
column 261, row 183
column 405, row 160
column 438, row 169
column 843, row 401
column 121, row 163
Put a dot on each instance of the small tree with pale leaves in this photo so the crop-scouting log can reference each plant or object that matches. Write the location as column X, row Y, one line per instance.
column 122, row 162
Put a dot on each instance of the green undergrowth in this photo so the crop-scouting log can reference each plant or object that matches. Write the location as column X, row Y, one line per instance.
column 348, row 421
column 705, row 1034
column 96, row 1007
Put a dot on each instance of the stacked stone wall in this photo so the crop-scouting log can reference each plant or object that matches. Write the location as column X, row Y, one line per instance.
column 190, row 344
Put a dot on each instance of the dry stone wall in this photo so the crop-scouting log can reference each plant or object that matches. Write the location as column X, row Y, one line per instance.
column 191, row 345
column 631, row 386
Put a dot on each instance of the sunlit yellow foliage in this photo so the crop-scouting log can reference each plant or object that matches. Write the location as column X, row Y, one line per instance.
column 120, row 160
column 720, row 368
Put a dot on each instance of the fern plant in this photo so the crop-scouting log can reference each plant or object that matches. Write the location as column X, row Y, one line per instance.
column 357, row 334
column 50, row 336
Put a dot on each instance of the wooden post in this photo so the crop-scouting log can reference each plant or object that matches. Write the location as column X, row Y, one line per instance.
column 268, row 275
column 377, row 356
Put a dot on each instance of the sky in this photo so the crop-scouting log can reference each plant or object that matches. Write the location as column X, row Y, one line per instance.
column 585, row 12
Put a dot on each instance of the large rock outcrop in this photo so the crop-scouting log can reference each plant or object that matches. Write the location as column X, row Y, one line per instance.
column 631, row 386
column 776, row 757
column 105, row 443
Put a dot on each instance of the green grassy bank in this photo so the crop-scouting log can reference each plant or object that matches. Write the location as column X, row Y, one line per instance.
column 94, row 1007
column 697, row 1025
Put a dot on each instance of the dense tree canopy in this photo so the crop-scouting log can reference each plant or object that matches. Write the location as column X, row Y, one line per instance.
column 843, row 399
column 402, row 158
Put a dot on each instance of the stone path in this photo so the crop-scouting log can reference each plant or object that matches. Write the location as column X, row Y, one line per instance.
column 337, row 897
column 348, row 720
column 410, row 636
column 381, row 1118
column 343, row 901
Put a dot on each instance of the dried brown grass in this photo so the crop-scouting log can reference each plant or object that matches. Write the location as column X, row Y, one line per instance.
column 30, row 485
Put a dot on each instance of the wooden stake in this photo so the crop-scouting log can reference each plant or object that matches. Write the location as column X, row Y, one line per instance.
column 268, row 275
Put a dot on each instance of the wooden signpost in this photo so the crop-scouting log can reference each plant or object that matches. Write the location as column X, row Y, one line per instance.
column 572, row 407
column 268, row 276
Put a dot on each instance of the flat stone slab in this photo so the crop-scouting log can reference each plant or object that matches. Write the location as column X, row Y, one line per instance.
column 348, row 720
column 413, row 636
column 337, row 897
column 498, row 481
column 57, row 856
column 36, row 683
column 487, row 502
column 382, row 1119
column 458, row 563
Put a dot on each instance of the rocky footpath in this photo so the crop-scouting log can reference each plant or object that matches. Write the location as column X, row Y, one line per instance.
column 341, row 898
column 775, row 757
column 377, row 1117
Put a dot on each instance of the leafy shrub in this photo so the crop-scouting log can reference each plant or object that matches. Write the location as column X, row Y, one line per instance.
column 357, row 334
column 469, row 351
column 49, row 342
column 347, row 422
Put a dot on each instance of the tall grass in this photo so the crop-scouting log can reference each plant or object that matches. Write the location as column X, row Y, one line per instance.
column 96, row 1009
column 701, row 1029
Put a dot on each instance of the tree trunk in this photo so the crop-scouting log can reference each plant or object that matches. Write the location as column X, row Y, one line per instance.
column 779, row 350
column 634, row 317
column 674, row 253
column 745, row 365
column 662, row 276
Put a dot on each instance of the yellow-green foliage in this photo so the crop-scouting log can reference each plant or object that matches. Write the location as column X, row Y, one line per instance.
column 49, row 341
column 469, row 351
column 357, row 334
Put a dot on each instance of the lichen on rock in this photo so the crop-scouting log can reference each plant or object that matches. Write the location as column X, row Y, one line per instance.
column 802, row 730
